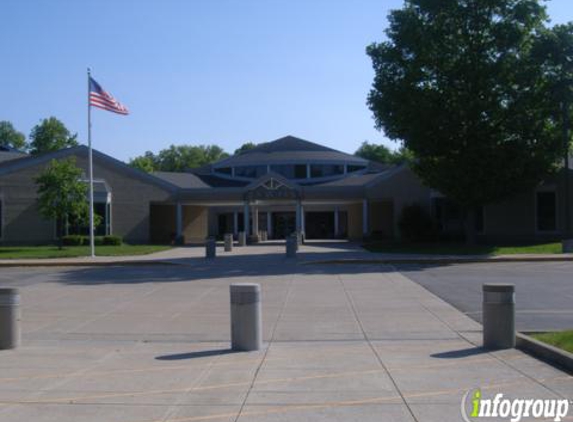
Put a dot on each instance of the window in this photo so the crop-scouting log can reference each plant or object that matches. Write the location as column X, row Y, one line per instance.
column 286, row 170
column 225, row 170
column 352, row 168
column 251, row 172
column 73, row 227
column 546, row 211
column 479, row 219
column 325, row 170
column 300, row 171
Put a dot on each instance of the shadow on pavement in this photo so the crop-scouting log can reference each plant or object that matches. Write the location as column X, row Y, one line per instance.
column 195, row 355
column 460, row 354
column 223, row 267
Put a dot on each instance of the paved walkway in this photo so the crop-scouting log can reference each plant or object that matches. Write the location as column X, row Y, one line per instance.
column 342, row 343
column 329, row 252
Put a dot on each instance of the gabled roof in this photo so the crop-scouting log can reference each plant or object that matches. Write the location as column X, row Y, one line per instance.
column 198, row 181
column 289, row 150
column 279, row 178
column 27, row 161
column 6, row 155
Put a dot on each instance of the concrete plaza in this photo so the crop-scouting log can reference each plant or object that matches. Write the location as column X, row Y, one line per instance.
column 342, row 343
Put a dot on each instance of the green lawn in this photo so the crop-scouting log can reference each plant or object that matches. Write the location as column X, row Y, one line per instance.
column 562, row 340
column 23, row 252
column 450, row 248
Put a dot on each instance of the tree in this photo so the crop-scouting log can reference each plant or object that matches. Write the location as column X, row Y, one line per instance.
column 458, row 84
column 51, row 135
column 179, row 158
column 555, row 51
column 145, row 162
column 382, row 154
column 10, row 137
column 62, row 196
column 245, row 147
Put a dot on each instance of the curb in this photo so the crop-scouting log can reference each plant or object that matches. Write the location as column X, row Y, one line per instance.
column 86, row 264
column 545, row 352
column 426, row 261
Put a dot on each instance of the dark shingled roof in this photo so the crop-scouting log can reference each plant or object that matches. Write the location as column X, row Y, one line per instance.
column 11, row 155
column 288, row 150
column 198, row 181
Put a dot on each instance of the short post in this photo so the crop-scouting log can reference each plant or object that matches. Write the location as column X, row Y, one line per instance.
column 210, row 248
column 264, row 235
column 246, row 321
column 9, row 318
column 228, row 242
column 498, row 316
column 291, row 246
column 242, row 241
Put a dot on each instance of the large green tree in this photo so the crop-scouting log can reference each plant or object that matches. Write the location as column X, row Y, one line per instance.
column 51, row 135
column 179, row 158
column 457, row 83
column 62, row 195
column 10, row 137
column 245, row 147
column 382, row 154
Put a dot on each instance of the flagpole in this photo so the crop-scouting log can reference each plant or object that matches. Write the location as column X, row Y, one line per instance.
column 90, row 159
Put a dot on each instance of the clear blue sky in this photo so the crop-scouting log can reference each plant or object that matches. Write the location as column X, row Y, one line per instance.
column 197, row 71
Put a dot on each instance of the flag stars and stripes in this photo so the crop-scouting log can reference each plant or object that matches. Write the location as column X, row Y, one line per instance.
column 104, row 100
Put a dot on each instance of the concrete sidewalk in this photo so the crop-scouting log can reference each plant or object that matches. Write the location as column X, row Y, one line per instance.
column 324, row 252
column 342, row 343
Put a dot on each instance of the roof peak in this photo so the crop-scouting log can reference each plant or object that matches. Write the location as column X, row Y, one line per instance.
column 287, row 143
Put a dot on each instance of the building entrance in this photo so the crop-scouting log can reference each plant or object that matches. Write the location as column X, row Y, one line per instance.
column 284, row 223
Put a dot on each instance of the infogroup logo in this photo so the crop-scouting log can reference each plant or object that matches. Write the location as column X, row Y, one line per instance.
column 475, row 407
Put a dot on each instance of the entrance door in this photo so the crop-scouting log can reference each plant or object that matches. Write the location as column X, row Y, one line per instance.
column 319, row 225
column 284, row 223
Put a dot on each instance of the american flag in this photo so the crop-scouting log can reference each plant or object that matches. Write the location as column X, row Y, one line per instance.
column 102, row 99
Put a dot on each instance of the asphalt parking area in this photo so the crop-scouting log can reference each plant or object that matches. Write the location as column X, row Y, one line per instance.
column 544, row 291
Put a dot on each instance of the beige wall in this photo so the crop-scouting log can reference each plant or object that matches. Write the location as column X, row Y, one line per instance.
column 381, row 214
column 195, row 223
column 355, row 221
column 401, row 189
column 22, row 223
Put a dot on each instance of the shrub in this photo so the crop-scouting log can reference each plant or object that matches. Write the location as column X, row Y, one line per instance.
column 416, row 224
column 112, row 240
column 73, row 240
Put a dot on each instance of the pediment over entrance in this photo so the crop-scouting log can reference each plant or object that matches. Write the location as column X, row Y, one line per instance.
column 272, row 186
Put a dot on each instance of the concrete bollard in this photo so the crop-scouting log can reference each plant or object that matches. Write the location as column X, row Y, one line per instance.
column 567, row 245
column 498, row 316
column 9, row 318
column 291, row 247
column 242, row 241
column 246, row 320
column 210, row 248
column 228, row 242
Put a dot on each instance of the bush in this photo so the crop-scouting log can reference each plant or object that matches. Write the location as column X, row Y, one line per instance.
column 74, row 240
column 112, row 240
column 79, row 240
column 416, row 224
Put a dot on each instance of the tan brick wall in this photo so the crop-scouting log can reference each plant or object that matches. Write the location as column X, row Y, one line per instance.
column 195, row 223
column 131, row 196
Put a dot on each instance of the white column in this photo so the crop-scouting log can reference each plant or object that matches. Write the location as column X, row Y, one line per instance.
column 298, row 216
column 246, row 218
column 302, row 221
column 269, row 224
column 236, row 223
column 336, row 218
column 365, row 217
column 255, row 221
column 179, row 221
